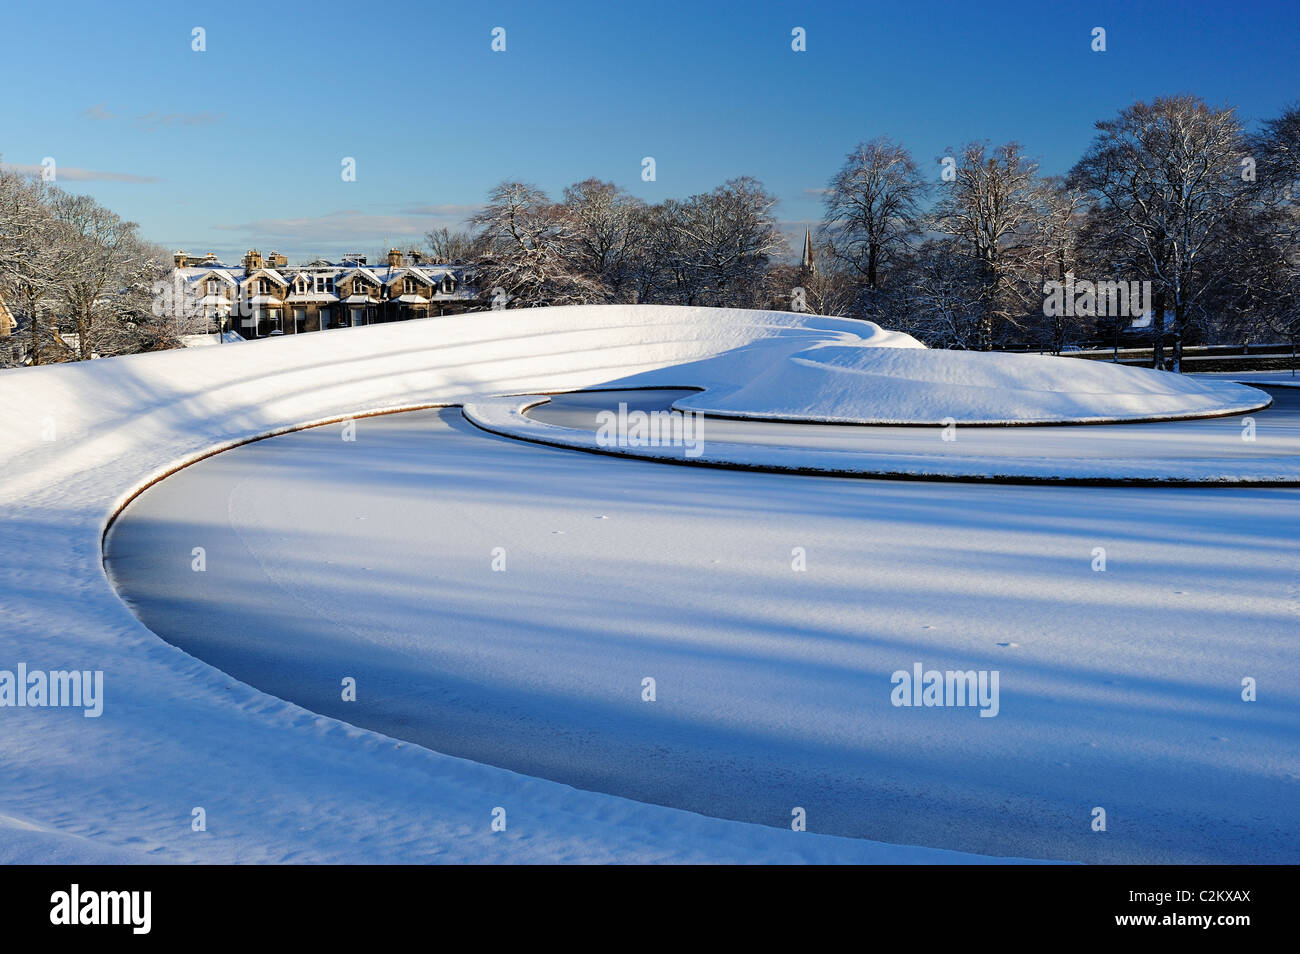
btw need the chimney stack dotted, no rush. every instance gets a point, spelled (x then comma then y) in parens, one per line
(180, 259)
(252, 260)
(394, 258)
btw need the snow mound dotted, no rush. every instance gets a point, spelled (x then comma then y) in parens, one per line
(883, 379)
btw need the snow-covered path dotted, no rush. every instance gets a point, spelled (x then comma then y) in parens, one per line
(1276, 433)
(1121, 689)
(1259, 448)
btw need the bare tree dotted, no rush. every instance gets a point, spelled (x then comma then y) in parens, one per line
(1053, 252)
(33, 255)
(722, 242)
(1167, 178)
(1276, 225)
(527, 242)
(447, 245)
(989, 207)
(105, 259)
(831, 287)
(941, 296)
(872, 207)
(607, 228)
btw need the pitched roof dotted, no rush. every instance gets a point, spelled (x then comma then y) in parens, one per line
(270, 273)
(412, 271)
(203, 273)
(361, 270)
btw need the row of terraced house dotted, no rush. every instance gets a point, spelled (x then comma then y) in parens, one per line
(265, 296)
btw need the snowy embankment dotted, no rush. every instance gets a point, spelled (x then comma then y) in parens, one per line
(1206, 451)
(276, 782)
(908, 384)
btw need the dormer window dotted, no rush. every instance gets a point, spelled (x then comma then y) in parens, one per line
(211, 286)
(448, 285)
(359, 288)
(408, 286)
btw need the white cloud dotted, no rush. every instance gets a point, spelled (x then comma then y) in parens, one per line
(75, 174)
(355, 227)
(98, 111)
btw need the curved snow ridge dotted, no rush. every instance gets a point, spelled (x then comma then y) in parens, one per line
(508, 417)
(279, 783)
(882, 380)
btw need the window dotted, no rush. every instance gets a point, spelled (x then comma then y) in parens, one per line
(358, 316)
(324, 318)
(359, 288)
(212, 286)
(408, 286)
(300, 319)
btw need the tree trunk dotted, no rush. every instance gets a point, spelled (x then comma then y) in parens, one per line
(83, 337)
(36, 331)
(1158, 330)
(1180, 312)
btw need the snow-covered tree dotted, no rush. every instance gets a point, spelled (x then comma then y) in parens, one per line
(873, 208)
(34, 252)
(607, 231)
(720, 243)
(1166, 180)
(105, 259)
(992, 207)
(528, 246)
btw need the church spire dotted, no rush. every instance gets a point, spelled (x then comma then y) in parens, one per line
(808, 265)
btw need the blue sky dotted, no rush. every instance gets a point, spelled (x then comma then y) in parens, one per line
(241, 145)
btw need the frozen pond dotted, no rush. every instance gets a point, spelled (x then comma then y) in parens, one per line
(505, 602)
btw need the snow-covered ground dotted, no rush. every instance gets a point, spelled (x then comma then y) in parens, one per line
(905, 383)
(1260, 448)
(205, 341)
(1118, 689)
(1276, 432)
(279, 782)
